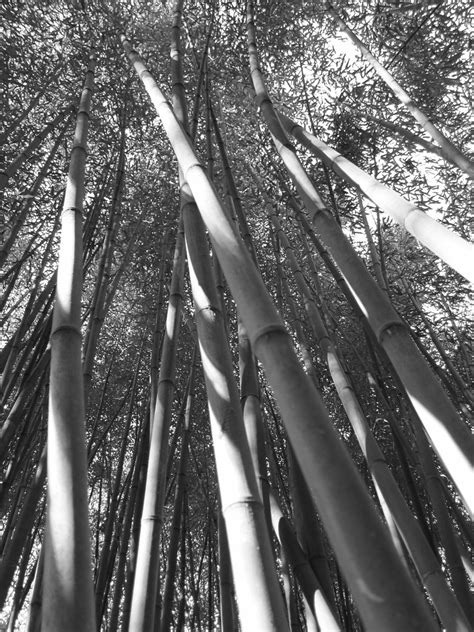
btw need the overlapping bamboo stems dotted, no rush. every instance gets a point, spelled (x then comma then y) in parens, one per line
(17, 538)
(68, 601)
(22, 407)
(449, 151)
(104, 561)
(177, 523)
(24, 353)
(23, 417)
(16, 270)
(126, 527)
(138, 490)
(448, 246)
(249, 387)
(113, 550)
(257, 590)
(250, 399)
(307, 579)
(131, 245)
(424, 464)
(143, 610)
(374, 255)
(143, 606)
(444, 527)
(356, 532)
(449, 435)
(308, 529)
(297, 325)
(427, 566)
(22, 586)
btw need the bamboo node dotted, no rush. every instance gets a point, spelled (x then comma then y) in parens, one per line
(385, 329)
(69, 328)
(276, 327)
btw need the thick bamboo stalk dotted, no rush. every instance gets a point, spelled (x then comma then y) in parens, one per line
(68, 602)
(386, 597)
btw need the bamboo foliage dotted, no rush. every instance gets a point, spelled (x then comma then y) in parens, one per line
(447, 148)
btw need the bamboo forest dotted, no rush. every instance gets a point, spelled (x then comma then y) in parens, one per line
(236, 316)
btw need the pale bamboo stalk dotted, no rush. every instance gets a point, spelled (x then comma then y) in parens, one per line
(388, 594)
(448, 246)
(142, 613)
(157, 339)
(125, 536)
(308, 529)
(450, 437)
(313, 593)
(68, 601)
(177, 524)
(450, 152)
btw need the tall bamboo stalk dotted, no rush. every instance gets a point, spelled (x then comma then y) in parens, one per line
(68, 602)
